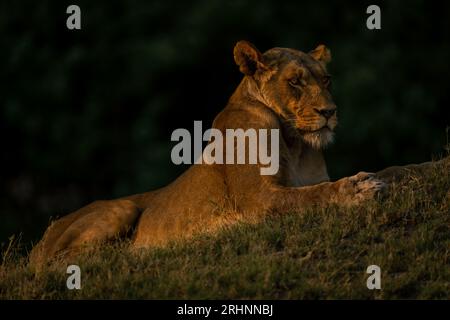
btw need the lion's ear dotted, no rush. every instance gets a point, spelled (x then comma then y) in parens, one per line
(247, 57)
(321, 54)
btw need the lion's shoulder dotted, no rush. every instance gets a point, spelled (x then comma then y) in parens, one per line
(245, 115)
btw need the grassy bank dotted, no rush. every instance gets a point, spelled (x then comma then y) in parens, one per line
(315, 254)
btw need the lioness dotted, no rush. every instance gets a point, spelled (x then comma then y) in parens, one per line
(283, 89)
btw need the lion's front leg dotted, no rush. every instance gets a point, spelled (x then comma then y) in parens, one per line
(357, 189)
(349, 191)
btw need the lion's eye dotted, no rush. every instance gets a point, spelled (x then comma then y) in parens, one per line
(294, 81)
(297, 82)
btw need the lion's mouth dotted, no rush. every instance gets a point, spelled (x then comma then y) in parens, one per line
(323, 129)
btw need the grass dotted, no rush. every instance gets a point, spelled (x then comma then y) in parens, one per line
(317, 254)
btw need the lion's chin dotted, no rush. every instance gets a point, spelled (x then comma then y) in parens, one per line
(319, 139)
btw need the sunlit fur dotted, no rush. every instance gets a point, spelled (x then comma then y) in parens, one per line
(299, 106)
(205, 198)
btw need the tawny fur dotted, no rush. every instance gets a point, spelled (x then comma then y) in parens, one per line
(282, 89)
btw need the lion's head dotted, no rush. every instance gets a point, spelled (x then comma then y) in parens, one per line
(296, 85)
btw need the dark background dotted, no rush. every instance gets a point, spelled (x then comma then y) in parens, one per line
(87, 114)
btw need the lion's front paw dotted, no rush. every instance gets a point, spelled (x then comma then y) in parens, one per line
(359, 188)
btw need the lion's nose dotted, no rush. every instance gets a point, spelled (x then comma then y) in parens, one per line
(327, 113)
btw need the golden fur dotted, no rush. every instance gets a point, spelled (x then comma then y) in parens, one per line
(282, 89)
